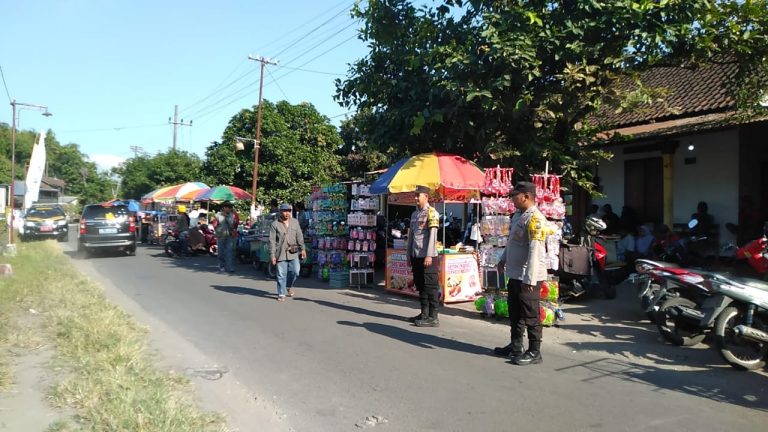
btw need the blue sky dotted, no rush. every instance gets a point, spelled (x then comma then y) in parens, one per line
(111, 71)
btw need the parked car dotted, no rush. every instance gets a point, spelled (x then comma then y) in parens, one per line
(107, 227)
(45, 221)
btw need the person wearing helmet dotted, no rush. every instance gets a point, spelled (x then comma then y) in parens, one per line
(526, 268)
(182, 227)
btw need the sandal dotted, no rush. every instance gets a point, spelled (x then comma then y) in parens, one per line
(290, 292)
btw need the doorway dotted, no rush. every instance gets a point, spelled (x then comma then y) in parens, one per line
(644, 188)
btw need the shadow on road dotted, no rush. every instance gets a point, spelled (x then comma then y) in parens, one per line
(749, 390)
(418, 339)
(244, 291)
(354, 309)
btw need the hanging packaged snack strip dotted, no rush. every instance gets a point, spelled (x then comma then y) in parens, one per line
(329, 231)
(361, 245)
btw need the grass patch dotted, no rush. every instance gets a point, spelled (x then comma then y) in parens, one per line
(112, 383)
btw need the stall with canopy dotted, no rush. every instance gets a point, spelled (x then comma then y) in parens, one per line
(452, 178)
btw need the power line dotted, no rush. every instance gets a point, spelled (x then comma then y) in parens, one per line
(10, 100)
(214, 105)
(219, 88)
(213, 108)
(278, 85)
(303, 37)
(117, 128)
(307, 51)
(310, 71)
(342, 114)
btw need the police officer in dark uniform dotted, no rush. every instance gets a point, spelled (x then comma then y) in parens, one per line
(526, 268)
(422, 257)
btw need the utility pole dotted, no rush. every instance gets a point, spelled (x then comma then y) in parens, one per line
(176, 123)
(138, 149)
(263, 62)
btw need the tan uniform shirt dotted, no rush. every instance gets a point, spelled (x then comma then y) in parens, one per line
(526, 247)
(423, 233)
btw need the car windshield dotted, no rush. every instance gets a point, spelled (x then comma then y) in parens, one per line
(44, 212)
(105, 212)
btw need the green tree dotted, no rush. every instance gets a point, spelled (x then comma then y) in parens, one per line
(357, 156)
(65, 162)
(515, 82)
(142, 174)
(296, 152)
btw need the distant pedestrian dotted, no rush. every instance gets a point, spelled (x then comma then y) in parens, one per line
(422, 257)
(225, 229)
(526, 268)
(286, 246)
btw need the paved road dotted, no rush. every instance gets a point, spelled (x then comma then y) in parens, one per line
(328, 359)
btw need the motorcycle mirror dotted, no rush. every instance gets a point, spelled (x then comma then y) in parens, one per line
(692, 224)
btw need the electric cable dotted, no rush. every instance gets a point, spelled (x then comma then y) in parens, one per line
(10, 100)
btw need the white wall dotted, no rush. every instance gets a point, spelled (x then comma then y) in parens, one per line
(714, 178)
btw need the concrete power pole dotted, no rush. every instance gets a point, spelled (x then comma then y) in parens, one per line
(263, 62)
(176, 123)
(136, 150)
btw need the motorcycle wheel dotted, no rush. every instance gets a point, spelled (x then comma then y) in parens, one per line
(741, 353)
(669, 327)
(172, 248)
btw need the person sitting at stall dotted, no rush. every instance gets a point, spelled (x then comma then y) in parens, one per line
(704, 220)
(611, 220)
(664, 240)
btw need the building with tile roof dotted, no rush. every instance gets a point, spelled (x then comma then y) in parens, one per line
(694, 145)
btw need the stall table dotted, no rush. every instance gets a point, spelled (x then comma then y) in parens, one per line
(458, 276)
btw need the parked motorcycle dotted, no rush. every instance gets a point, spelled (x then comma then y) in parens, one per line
(207, 245)
(582, 264)
(741, 323)
(755, 254)
(652, 288)
(678, 316)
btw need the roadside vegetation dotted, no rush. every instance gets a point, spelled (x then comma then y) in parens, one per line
(103, 372)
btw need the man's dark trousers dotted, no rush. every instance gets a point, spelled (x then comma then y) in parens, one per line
(425, 280)
(524, 313)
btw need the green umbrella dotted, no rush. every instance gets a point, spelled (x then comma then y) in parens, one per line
(222, 193)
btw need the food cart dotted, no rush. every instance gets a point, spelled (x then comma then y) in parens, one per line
(452, 179)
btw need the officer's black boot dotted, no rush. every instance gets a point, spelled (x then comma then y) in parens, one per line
(429, 321)
(514, 349)
(424, 314)
(532, 356)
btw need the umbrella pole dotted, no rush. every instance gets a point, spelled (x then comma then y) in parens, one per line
(445, 220)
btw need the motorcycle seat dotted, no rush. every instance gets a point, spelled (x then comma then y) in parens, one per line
(754, 283)
(659, 264)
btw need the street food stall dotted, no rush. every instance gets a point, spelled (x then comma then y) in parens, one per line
(452, 179)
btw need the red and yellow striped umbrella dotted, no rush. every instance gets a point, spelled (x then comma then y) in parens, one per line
(451, 177)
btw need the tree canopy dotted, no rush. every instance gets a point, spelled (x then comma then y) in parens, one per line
(63, 161)
(515, 82)
(142, 174)
(297, 151)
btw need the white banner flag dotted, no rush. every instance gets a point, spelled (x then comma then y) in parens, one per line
(35, 172)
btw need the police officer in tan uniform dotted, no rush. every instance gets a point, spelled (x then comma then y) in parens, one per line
(422, 257)
(526, 268)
